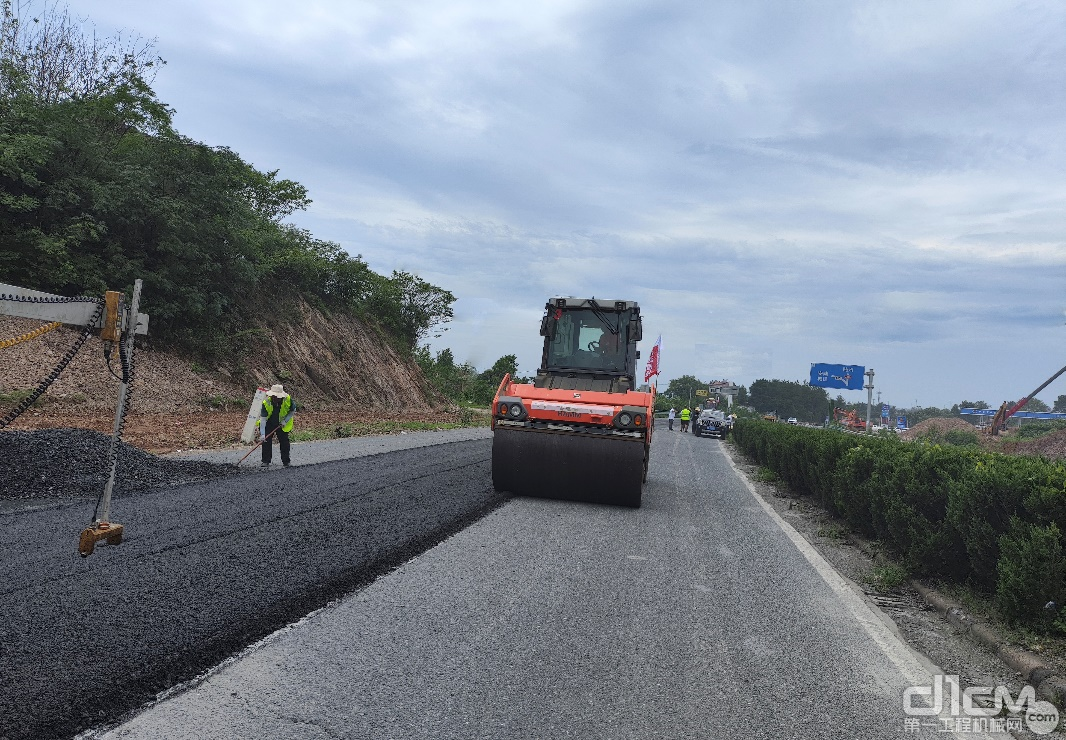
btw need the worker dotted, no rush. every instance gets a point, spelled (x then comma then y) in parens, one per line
(685, 416)
(275, 418)
(670, 416)
(607, 348)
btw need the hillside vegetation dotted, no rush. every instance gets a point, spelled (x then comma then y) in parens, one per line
(97, 189)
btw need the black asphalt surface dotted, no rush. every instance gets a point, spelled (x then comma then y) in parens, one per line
(205, 570)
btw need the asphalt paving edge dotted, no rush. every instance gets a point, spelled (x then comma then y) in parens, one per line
(286, 615)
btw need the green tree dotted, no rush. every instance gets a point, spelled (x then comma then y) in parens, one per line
(683, 390)
(1060, 405)
(484, 387)
(46, 55)
(790, 398)
(1035, 404)
(97, 189)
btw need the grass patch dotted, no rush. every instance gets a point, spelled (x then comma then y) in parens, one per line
(765, 475)
(887, 577)
(18, 396)
(833, 531)
(224, 403)
(1047, 639)
(370, 428)
(1039, 428)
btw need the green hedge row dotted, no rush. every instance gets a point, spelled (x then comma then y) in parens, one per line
(957, 513)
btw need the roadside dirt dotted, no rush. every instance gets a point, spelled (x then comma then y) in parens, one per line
(340, 372)
(936, 425)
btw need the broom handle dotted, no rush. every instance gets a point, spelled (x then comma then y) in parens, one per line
(249, 452)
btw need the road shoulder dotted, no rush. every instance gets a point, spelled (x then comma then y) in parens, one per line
(915, 621)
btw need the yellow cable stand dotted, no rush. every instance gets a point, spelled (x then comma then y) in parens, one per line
(30, 335)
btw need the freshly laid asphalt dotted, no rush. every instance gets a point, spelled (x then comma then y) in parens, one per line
(208, 568)
(700, 615)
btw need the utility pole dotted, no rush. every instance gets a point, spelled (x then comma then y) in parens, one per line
(869, 396)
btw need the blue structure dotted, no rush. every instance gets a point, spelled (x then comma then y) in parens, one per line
(1017, 414)
(849, 377)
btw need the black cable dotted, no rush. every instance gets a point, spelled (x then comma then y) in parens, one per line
(50, 378)
(108, 349)
(57, 299)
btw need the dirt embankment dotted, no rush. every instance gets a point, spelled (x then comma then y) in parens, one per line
(1051, 446)
(936, 425)
(337, 368)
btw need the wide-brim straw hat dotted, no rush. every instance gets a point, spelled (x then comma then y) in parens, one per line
(277, 390)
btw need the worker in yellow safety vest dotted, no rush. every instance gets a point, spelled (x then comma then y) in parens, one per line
(275, 419)
(685, 416)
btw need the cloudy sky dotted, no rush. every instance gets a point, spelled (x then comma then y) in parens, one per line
(776, 183)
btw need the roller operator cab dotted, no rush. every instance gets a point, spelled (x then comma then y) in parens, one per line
(580, 430)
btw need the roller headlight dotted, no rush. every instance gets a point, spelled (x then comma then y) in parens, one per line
(516, 410)
(625, 419)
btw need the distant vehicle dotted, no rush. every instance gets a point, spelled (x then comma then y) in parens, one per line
(712, 423)
(793, 420)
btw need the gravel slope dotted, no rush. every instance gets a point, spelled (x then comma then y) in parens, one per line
(206, 569)
(72, 463)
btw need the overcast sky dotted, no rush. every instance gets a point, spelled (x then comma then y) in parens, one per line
(776, 183)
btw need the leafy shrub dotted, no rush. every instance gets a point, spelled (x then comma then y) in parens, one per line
(947, 510)
(1029, 572)
(961, 438)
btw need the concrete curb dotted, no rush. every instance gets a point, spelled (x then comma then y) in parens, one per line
(1032, 668)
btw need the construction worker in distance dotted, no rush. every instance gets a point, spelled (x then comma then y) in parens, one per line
(275, 419)
(685, 416)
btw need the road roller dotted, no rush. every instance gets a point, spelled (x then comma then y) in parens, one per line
(581, 430)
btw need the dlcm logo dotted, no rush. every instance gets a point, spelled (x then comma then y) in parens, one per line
(1040, 716)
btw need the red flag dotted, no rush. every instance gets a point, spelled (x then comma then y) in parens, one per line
(652, 368)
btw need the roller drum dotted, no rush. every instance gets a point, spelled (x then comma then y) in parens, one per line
(575, 467)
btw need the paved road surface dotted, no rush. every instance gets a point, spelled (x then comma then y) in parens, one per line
(205, 570)
(312, 453)
(698, 616)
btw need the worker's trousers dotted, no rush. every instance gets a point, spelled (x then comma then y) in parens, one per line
(283, 442)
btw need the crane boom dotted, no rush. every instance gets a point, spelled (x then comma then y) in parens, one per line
(1013, 409)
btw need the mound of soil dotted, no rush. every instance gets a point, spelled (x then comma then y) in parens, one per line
(1052, 446)
(339, 370)
(940, 425)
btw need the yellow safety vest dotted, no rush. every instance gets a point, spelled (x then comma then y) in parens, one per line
(286, 408)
